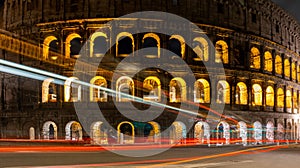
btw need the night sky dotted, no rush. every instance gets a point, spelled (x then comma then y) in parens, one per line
(292, 6)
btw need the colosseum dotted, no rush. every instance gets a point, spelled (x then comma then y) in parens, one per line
(256, 43)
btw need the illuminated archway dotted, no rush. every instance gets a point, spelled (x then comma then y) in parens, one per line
(48, 91)
(268, 61)
(125, 46)
(202, 91)
(280, 98)
(177, 92)
(201, 49)
(223, 92)
(295, 102)
(288, 99)
(241, 96)
(280, 132)
(270, 132)
(152, 40)
(270, 96)
(126, 134)
(294, 71)
(68, 44)
(257, 132)
(202, 132)
(73, 131)
(98, 46)
(287, 68)
(97, 94)
(98, 134)
(49, 130)
(72, 90)
(298, 73)
(278, 64)
(31, 133)
(256, 95)
(182, 44)
(125, 85)
(242, 128)
(47, 45)
(177, 132)
(221, 52)
(152, 89)
(254, 58)
(223, 132)
(155, 134)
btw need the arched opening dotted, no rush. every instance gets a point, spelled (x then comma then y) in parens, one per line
(154, 134)
(124, 44)
(280, 132)
(298, 73)
(223, 133)
(288, 99)
(73, 131)
(294, 71)
(257, 132)
(126, 133)
(49, 91)
(73, 45)
(270, 132)
(256, 95)
(202, 133)
(270, 96)
(151, 40)
(223, 92)
(98, 44)
(96, 93)
(177, 132)
(295, 102)
(287, 68)
(98, 133)
(124, 88)
(72, 90)
(254, 58)
(268, 61)
(152, 89)
(242, 127)
(221, 52)
(200, 47)
(177, 92)
(280, 98)
(49, 130)
(176, 45)
(50, 48)
(31, 133)
(241, 96)
(202, 91)
(278, 65)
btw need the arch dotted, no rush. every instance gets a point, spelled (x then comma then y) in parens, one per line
(257, 132)
(221, 52)
(48, 94)
(68, 43)
(256, 95)
(125, 46)
(288, 99)
(31, 133)
(177, 132)
(125, 86)
(94, 48)
(298, 73)
(241, 96)
(152, 44)
(268, 61)
(96, 93)
(177, 92)
(98, 134)
(295, 102)
(152, 89)
(46, 45)
(202, 132)
(280, 98)
(72, 90)
(223, 132)
(155, 133)
(242, 128)
(270, 132)
(182, 44)
(287, 68)
(223, 92)
(280, 132)
(127, 138)
(254, 58)
(278, 64)
(49, 130)
(270, 96)
(202, 91)
(73, 131)
(201, 49)
(294, 71)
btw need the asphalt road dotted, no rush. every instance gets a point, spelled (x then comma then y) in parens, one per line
(192, 157)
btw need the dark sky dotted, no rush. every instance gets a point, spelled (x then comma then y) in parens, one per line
(292, 6)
